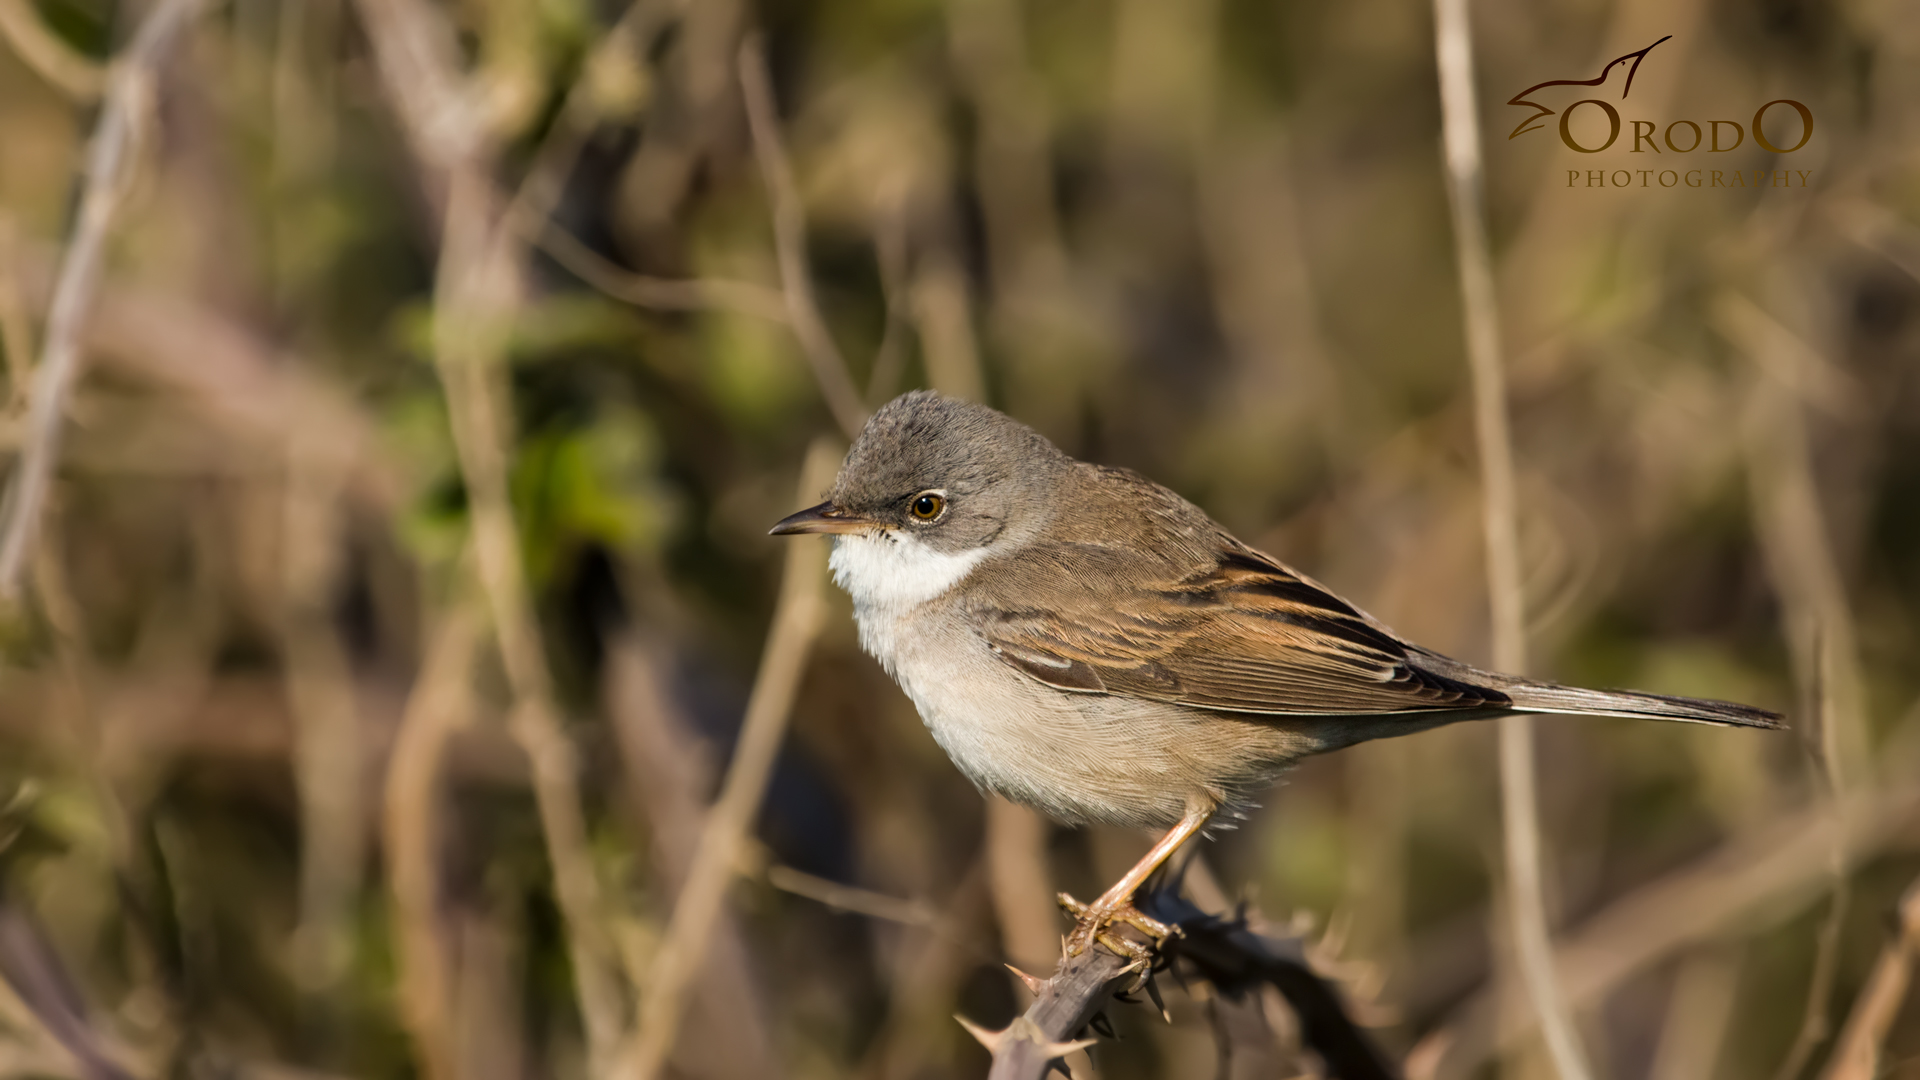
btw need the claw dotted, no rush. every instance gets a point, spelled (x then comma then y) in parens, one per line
(1094, 924)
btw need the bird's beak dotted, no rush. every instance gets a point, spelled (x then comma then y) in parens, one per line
(825, 518)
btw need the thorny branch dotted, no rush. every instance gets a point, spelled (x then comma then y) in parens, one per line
(1226, 952)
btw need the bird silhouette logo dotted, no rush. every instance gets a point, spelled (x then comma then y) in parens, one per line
(1532, 122)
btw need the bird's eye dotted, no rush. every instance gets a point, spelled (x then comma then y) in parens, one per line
(927, 505)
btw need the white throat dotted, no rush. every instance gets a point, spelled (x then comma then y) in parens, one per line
(888, 575)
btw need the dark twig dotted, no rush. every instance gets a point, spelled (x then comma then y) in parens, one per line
(122, 120)
(1236, 960)
(1225, 952)
(1062, 1007)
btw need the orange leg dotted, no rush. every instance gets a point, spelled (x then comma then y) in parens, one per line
(1116, 904)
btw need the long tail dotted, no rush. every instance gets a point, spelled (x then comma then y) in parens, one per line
(1548, 698)
(1542, 697)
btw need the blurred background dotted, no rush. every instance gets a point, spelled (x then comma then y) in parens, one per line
(374, 675)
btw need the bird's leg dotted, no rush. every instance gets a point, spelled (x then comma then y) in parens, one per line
(1116, 904)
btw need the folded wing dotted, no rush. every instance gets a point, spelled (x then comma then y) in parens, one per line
(1243, 634)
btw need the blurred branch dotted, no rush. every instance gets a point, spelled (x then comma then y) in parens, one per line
(1698, 1009)
(440, 702)
(1755, 880)
(1880, 231)
(1791, 524)
(1519, 804)
(1013, 162)
(328, 756)
(30, 965)
(229, 374)
(559, 151)
(890, 254)
(530, 215)
(669, 778)
(16, 334)
(1821, 636)
(74, 75)
(1859, 1056)
(476, 293)
(853, 899)
(416, 56)
(790, 245)
(662, 294)
(122, 127)
(797, 617)
(927, 974)
(941, 310)
(1018, 883)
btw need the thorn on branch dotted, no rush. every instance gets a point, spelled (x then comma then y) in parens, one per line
(1033, 983)
(1224, 951)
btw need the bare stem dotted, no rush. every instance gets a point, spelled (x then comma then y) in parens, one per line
(1019, 884)
(474, 294)
(1791, 525)
(1518, 798)
(1861, 1053)
(51, 58)
(327, 746)
(797, 618)
(121, 129)
(439, 703)
(656, 293)
(477, 291)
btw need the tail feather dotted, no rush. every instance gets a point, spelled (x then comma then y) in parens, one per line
(1541, 697)
(1548, 698)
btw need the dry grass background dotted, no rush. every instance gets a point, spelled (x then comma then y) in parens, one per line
(400, 681)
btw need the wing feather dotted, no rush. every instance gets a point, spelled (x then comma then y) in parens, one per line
(1244, 634)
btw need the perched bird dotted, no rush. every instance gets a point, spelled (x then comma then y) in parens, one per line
(1086, 642)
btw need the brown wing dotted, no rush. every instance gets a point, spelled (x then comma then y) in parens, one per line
(1244, 635)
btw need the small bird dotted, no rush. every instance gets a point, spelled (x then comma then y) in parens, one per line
(1083, 641)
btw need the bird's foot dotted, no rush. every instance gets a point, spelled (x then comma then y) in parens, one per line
(1097, 922)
